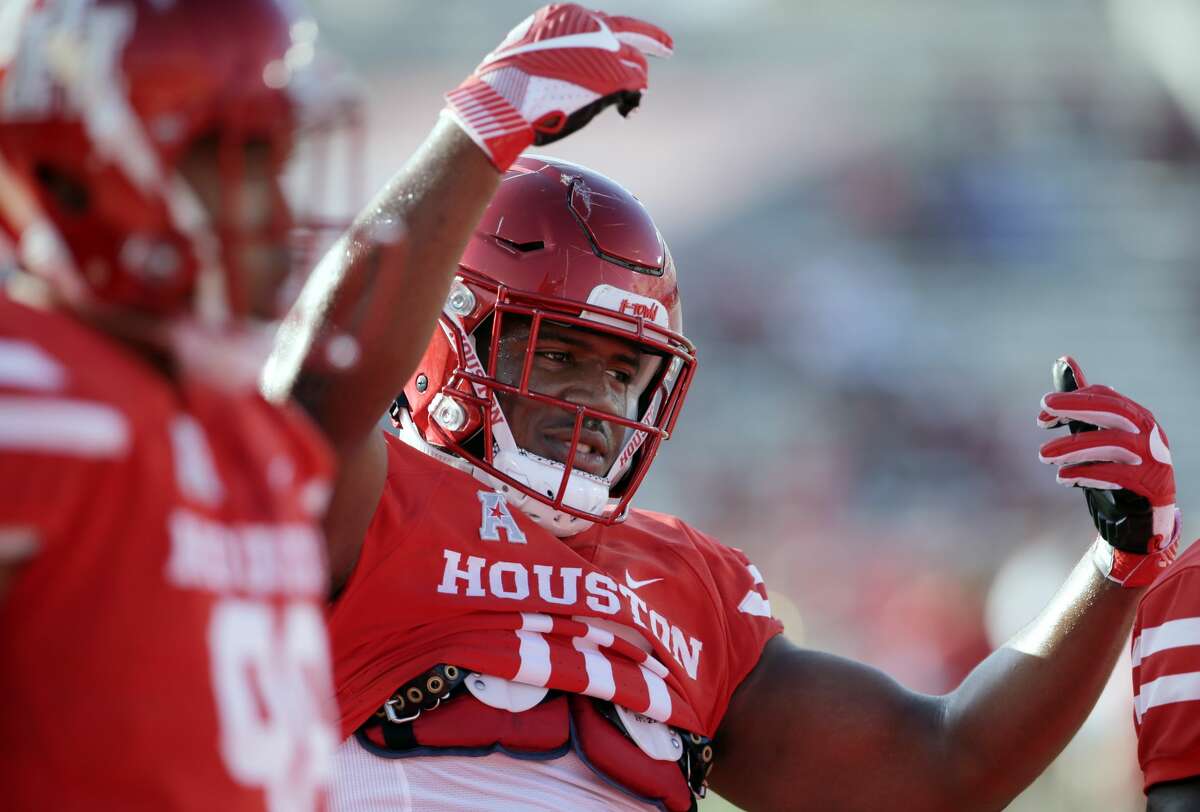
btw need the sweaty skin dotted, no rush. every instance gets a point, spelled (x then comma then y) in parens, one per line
(808, 730)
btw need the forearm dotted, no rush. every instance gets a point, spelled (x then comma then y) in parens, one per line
(366, 314)
(1017, 710)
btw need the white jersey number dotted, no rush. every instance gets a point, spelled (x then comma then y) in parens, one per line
(270, 673)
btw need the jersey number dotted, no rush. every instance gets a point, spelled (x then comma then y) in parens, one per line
(270, 673)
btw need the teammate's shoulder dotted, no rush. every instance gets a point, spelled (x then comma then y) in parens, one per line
(50, 354)
(68, 391)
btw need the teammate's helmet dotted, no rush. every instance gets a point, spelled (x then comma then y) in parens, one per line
(561, 245)
(99, 103)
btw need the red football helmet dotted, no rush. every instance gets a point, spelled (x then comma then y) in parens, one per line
(99, 103)
(565, 246)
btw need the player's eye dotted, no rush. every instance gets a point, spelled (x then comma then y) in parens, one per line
(556, 356)
(621, 376)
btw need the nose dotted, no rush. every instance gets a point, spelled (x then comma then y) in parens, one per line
(591, 386)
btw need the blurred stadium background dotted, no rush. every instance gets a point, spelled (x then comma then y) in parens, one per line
(889, 218)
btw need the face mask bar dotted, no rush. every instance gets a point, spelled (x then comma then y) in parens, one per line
(476, 385)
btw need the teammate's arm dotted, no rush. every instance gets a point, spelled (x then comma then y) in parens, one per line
(812, 730)
(1174, 796)
(363, 319)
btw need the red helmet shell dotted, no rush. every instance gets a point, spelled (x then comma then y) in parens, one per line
(592, 232)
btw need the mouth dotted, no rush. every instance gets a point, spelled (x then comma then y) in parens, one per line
(591, 452)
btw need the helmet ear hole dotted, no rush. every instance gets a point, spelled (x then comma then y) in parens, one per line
(67, 192)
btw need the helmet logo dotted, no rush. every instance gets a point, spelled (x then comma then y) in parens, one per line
(629, 303)
(649, 312)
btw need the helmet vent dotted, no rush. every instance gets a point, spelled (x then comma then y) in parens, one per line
(522, 247)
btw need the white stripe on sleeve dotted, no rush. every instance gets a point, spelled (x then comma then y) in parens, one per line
(17, 544)
(1166, 691)
(73, 427)
(1172, 634)
(28, 366)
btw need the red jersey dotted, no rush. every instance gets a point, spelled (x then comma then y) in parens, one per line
(649, 613)
(1166, 673)
(162, 642)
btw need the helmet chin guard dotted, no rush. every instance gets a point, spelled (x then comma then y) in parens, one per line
(584, 492)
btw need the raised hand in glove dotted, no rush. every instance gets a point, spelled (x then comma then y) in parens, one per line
(551, 75)
(1119, 455)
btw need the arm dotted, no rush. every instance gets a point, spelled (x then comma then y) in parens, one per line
(807, 728)
(366, 313)
(378, 292)
(365, 316)
(812, 730)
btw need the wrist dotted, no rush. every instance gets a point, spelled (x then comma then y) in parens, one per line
(1133, 569)
(490, 121)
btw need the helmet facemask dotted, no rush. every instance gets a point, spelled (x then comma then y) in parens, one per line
(575, 452)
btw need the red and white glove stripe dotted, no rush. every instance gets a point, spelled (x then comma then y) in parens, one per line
(557, 61)
(1128, 451)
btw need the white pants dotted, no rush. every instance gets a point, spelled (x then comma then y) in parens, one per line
(363, 781)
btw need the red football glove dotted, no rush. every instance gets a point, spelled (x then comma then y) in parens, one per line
(1119, 455)
(553, 72)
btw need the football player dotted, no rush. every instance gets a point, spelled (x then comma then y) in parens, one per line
(512, 634)
(161, 564)
(161, 570)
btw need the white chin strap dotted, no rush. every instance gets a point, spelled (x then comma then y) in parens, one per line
(585, 492)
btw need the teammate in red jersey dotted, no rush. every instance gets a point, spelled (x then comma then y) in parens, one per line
(161, 566)
(513, 634)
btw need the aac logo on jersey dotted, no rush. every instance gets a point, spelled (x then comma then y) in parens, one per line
(497, 517)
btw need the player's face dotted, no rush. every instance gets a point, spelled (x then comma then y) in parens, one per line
(596, 370)
(247, 208)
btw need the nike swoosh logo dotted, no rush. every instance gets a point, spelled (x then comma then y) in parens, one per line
(604, 39)
(633, 583)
